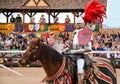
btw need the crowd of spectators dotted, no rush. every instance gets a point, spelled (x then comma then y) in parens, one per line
(20, 41)
(105, 41)
(12, 41)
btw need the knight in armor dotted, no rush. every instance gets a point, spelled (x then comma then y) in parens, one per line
(81, 43)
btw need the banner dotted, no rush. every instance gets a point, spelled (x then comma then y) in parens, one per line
(18, 27)
(29, 28)
(62, 27)
(54, 27)
(3, 27)
(10, 27)
(43, 27)
(36, 27)
(69, 28)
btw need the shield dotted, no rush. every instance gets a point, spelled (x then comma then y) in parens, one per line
(84, 36)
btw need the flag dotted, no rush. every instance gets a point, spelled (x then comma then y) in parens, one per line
(36, 27)
(54, 27)
(18, 27)
(69, 28)
(62, 27)
(43, 27)
(29, 27)
(10, 27)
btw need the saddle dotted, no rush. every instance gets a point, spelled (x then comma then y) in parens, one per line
(87, 65)
(79, 55)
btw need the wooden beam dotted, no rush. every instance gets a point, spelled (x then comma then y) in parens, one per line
(23, 12)
(54, 14)
(7, 14)
(49, 17)
(30, 14)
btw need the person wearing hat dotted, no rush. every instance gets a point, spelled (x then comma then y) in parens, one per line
(38, 37)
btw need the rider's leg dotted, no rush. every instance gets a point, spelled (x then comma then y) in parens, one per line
(80, 69)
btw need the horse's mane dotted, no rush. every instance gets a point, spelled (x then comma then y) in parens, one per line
(50, 53)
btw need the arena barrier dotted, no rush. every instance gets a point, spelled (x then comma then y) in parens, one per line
(115, 60)
(12, 51)
(105, 52)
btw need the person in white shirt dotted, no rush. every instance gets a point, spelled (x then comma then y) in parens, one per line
(77, 47)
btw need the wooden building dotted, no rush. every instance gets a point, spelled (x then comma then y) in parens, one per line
(51, 7)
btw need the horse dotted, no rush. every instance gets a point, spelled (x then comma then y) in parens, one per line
(60, 70)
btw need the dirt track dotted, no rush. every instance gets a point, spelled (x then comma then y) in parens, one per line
(30, 76)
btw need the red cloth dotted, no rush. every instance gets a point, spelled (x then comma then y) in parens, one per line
(45, 35)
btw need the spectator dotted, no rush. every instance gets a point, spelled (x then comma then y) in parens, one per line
(95, 45)
(101, 48)
(12, 19)
(42, 19)
(99, 37)
(23, 46)
(51, 40)
(0, 37)
(19, 38)
(46, 35)
(115, 48)
(60, 37)
(118, 34)
(67, 19)
(31, 35)
(65, 37)
(18, 19)
(66, 45)
(7, 44)
(113, 35)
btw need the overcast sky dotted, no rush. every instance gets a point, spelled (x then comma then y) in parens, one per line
(113, 14)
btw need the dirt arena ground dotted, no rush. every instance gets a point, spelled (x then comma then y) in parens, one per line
(30, 76)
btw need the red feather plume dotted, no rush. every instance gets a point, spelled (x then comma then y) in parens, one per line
(94, 11)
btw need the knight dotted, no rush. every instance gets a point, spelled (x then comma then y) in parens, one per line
(82, 39)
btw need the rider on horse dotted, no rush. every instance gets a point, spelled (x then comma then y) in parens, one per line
(82, 43)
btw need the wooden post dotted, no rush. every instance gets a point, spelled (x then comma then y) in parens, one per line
(23, 13)
(30, 14)
(7, 14)
(74, 16)
(54, 14)
(49, 17)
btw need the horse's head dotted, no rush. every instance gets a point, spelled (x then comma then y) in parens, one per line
(51, 60)
(31, 53)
